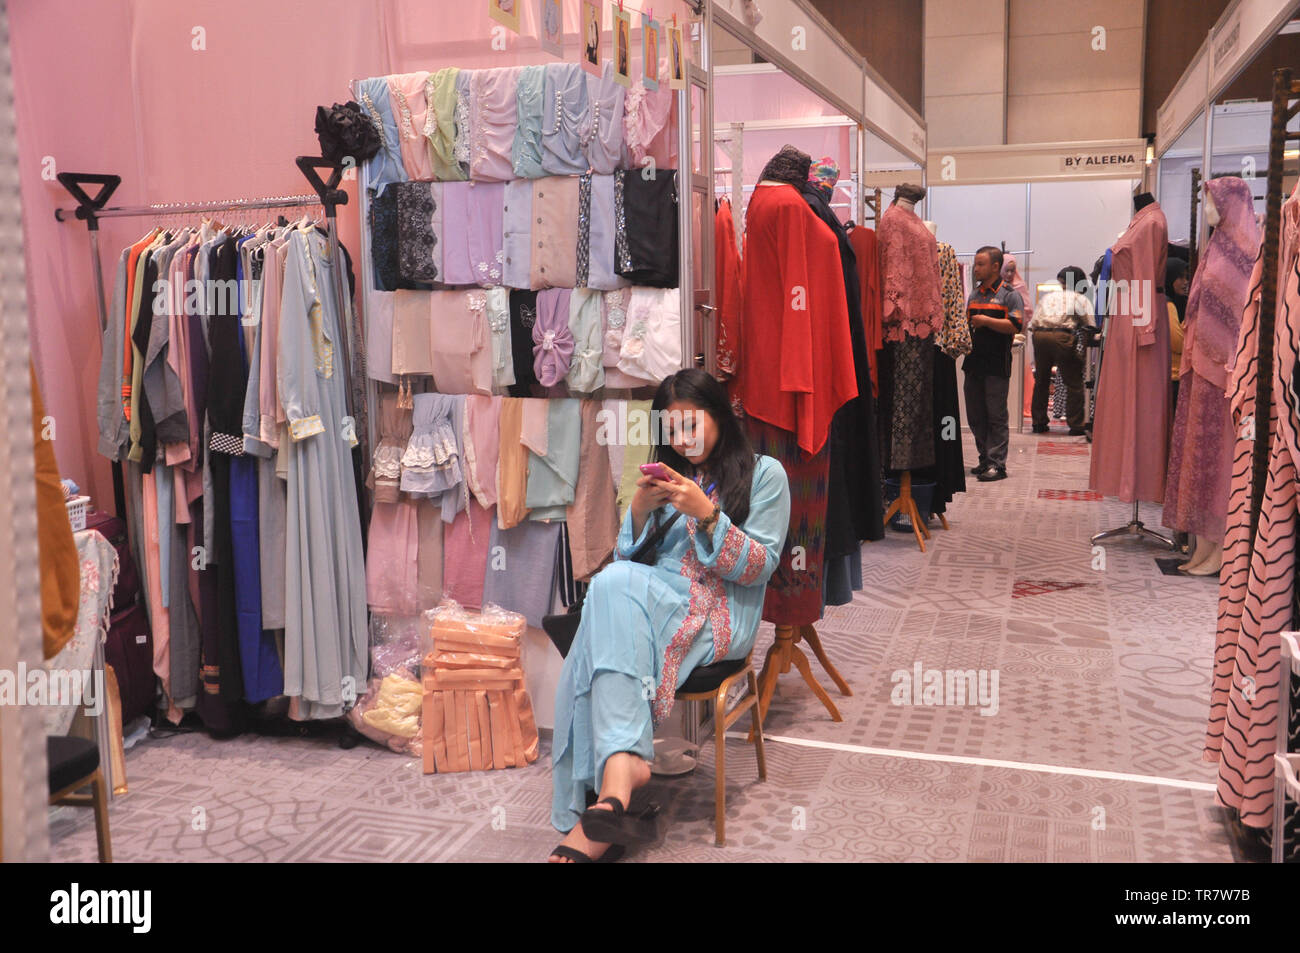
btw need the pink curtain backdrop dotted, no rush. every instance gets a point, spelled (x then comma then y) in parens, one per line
(119, 86)
(748, 97)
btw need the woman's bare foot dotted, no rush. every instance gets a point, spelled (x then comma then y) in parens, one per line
(624, 773)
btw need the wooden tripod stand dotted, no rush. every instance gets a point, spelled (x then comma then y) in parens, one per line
(907, 506)
(785, 652)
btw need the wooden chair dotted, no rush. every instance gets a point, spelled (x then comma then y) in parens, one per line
(711, 683)
(74, 764)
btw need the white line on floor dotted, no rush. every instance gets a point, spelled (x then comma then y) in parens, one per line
(985, 762)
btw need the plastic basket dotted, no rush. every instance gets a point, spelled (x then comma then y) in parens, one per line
(77, 507)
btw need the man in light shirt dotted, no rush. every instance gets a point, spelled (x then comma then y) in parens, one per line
(1058, 316)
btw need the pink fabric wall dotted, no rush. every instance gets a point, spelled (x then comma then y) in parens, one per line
(116, 86)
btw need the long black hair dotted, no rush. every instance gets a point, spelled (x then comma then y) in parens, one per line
(731, 464)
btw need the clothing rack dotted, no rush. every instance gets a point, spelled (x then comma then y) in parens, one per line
(1191, 240)
(90, 209)
(1284, 88)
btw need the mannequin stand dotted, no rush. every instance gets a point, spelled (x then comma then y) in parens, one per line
(1135, 527)
(906, 505)
(785, 652)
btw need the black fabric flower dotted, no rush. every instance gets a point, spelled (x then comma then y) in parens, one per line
(344, 130)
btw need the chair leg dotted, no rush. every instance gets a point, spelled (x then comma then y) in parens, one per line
(720, 768)
(757, 729)
(99, 797)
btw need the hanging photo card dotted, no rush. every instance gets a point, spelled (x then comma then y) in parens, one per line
(590, 36)
(550, 20)
(649, 52)
(676, 59)
(505, 12)
(622, 46)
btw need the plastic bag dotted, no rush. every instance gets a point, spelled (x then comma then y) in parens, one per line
(476, 712)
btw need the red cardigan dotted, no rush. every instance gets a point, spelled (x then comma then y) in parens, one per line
(797, 359)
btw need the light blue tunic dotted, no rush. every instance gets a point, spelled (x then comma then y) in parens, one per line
(326, 641)
(385, 165)
(646, 628)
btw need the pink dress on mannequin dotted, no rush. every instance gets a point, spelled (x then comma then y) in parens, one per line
(1200, 454)
(1130, 441)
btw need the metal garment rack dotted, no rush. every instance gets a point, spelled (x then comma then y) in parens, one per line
(1191, 241)
(1284, 89)
(90, 209)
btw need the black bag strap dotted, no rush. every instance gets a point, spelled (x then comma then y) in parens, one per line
(654, 539)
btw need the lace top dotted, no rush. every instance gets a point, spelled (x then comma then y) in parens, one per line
(410, 110)
(526, 150)
(442, 99)
(645, 121)
(565, 109)
(384, 166)
(394, 434)
(419, 230)
(909, 264)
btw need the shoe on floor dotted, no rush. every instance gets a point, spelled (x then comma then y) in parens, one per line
(978, 469)
(1042, 429)
(1078, 433)
(991, 474)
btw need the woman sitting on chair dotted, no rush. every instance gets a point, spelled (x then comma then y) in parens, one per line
(646, 627)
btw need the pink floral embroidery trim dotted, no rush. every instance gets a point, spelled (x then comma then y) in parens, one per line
(755, 563)
(733, 543)
(708, 601)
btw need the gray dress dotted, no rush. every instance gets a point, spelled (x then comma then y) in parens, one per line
(325, 641)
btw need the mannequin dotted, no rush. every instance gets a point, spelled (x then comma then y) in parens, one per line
(1207, 554)
(1131, 433)
(912, 316)
(1203, 442)
(853, 500)
(796, 367)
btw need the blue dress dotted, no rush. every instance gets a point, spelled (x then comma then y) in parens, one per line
(646, 628)
(386, 164)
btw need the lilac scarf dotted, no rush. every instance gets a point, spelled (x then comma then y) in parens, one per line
(552, 339)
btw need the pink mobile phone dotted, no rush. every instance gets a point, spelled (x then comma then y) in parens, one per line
(655, 470)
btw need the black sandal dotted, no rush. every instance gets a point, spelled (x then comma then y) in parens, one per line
(618, 825)
(612, 853)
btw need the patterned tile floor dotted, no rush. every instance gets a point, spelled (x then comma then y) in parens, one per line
(1093, 754)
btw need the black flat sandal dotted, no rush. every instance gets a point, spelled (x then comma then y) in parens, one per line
(612, 853)
(618, 825)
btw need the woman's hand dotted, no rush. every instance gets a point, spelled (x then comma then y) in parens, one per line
(650, 495)
(685, 495)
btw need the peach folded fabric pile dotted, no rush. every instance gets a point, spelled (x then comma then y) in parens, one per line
(477, 713)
